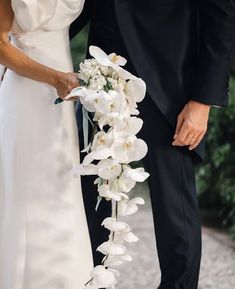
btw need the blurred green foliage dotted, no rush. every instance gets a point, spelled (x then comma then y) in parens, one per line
(79, 47)
(216, 177)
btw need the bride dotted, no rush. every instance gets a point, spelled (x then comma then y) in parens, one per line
(44, 240)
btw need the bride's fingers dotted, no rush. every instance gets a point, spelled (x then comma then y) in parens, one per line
(62, 93)
(66, 82)
(75, 98)
(72, 99)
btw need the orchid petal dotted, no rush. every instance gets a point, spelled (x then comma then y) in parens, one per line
(111, 248)
(129, 149)
(109, 169)
(82, 170)
(115, 226)
(117, 59)
(138, 175)
(113, 261)
(103, 277)
(128, 237)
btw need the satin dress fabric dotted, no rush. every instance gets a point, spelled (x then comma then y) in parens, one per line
(44, 238)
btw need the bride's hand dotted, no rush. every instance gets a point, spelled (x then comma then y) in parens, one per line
(64, 83)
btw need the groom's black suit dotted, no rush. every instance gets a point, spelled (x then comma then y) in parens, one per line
(181, 48)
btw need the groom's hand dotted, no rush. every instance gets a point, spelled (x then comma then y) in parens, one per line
(191, 125)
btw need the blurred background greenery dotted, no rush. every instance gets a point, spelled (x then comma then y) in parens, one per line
(79, 47)
(216, 176)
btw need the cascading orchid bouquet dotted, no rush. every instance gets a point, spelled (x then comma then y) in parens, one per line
(111, 94)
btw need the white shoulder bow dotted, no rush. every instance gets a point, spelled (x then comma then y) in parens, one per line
(32, 14)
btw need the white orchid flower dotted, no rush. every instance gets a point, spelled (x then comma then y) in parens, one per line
(129, 149)
(94, 96)
(127, 126)
(103, 59)
(102, 139)
(103, 152)
(129, 177)
(106, 103)
(111, 248)
(135, 91)
(128, 237)
(103, 277)
(115, 186)
(138, 174)
(129, 207)
(105, 192)
(109, 104)
(109, 169)
(81, 170)
(118, 106)
(126, 184)
(115, 107)
(113, 261)
(85, 96)
(115, 226)
(136, 88)
(103, 120)
(110, 194)
(100, 148)
(101, 56)
(117, 59)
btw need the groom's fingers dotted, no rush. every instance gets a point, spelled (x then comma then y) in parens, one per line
(180, 121)
(191, 138)
(197, 141)
(182, 135)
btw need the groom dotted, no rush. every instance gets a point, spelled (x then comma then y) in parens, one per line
(181, 48)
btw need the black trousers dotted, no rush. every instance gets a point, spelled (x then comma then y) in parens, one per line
(174, 202)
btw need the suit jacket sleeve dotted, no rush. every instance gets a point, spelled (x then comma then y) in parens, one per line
(83, 19)
(216, 26)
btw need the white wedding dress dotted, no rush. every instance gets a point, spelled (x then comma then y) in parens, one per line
(44, 240)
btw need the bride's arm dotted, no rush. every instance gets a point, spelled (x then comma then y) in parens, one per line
(16, 60)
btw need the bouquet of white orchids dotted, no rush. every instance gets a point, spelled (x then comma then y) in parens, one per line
(111, 94)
